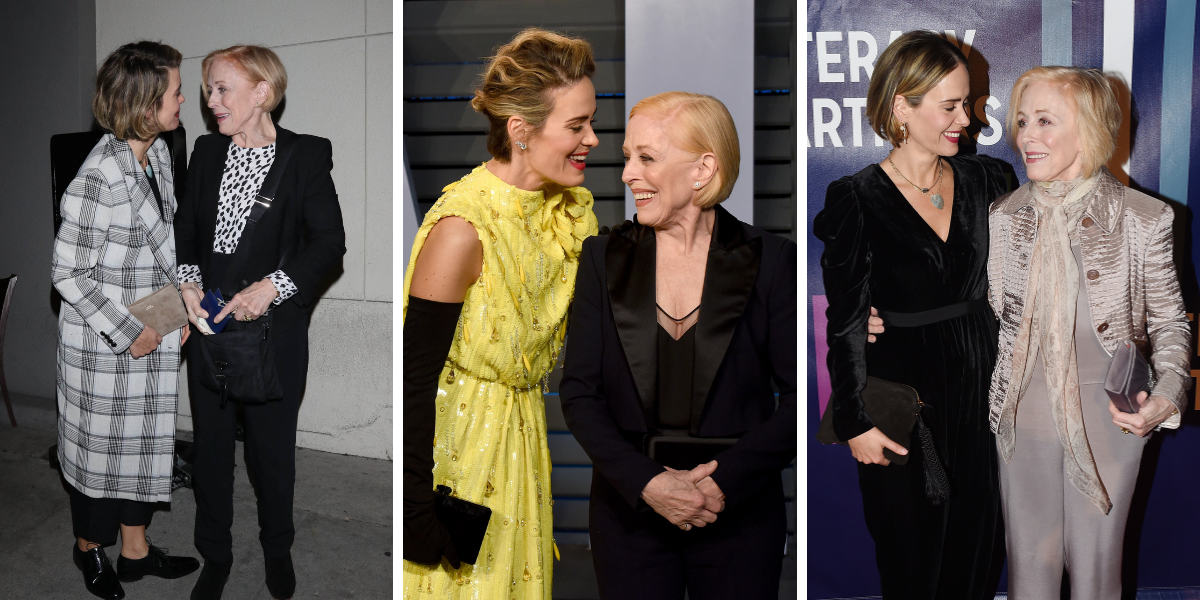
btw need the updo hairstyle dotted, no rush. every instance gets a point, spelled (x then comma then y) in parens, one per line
(130, 86)
(698, 123)
(910, 66)
(520, 80)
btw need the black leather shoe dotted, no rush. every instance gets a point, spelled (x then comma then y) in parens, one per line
(98, 573)
(211, 581)
(157, 564)
(281, 577)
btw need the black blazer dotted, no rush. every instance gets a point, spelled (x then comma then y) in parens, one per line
(746, 338)
(304, 222)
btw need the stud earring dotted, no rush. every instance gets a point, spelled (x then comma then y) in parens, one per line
(697, 185)
(522, 145)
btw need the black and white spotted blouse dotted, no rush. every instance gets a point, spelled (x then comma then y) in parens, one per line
(245, 169)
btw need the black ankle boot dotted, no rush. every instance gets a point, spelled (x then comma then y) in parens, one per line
(281, 577)
(98, 574)
(211, 581)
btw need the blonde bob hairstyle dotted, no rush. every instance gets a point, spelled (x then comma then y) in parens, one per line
(130, 86)
(698, 123)
(257, 63)
(521, 79)
(910, 66)
(1097, 113)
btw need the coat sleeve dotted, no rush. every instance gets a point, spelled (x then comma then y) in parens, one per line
(1166, 321)
(87, 208)
(765, 450)
(584, 403)
(326, 237)
(846, 271)
(186, 252)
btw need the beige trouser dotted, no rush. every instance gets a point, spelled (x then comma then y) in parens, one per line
(1048, 523)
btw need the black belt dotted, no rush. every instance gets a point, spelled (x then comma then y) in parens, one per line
(933, 315)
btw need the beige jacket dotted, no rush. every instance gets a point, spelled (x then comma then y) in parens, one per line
(1126, 242)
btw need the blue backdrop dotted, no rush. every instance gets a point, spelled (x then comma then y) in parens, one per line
(1002, 40)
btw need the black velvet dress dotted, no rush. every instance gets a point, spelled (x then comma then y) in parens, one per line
(880, 252)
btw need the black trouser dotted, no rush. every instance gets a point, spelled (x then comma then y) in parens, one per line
(642, 555)
(270, 452)
(99, 519)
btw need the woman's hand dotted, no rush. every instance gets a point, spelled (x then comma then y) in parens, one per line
(191, 300)
(1154, 410)
(867, 448)
(674, 495)
(146, 342)
(874, 325)
(250, 303)
(185, 331)
(706, 485)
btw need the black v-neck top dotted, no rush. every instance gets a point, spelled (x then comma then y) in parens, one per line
(879, 252)
(676, 367)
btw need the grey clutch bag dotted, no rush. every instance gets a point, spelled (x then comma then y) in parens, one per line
(1128, 374)
(163, 310)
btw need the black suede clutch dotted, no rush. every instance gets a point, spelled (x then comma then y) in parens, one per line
(895, 408)
(467, 522)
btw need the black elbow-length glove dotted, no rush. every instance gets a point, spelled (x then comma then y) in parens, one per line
(428, 333)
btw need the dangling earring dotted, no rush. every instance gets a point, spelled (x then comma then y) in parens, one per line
(522, 145)
(904, 132)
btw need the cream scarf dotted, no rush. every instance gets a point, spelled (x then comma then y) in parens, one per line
(1048, 326)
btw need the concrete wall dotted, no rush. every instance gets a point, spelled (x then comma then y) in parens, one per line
(338, 54)
(50, 66)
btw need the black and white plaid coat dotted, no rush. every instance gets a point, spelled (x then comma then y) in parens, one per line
(116, 415)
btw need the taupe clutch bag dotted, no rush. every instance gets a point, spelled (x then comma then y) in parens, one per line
(1128, 374)
(163, 310)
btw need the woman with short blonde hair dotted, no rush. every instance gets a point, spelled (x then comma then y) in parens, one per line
(267, 267)
(1079, 266)
(684, 319)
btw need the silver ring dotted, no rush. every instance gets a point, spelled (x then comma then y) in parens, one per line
(686, 526)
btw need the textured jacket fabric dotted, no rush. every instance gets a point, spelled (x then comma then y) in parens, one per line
(116, 426)
(1132, 287)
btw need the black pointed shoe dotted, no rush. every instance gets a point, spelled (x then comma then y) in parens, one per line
(98, 573)
(156, 563)
(281, 577)
(211, 582)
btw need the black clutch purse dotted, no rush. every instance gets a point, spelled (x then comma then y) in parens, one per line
(1128, 374)
(895, 409)
(467, 522)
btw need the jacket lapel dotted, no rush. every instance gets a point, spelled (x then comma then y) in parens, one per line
(145, 206)
(629, 269)
(733, 264)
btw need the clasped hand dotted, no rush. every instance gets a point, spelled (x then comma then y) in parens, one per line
(686, 498)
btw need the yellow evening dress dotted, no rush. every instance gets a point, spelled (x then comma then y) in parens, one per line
(490, 433)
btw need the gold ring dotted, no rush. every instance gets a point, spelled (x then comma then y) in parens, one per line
(246, 317)
(1123, 430)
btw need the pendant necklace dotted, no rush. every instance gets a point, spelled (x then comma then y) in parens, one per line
(936, 198)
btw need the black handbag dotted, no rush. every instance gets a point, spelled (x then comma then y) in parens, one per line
(239, 363)
(466, 521)
(895, 409)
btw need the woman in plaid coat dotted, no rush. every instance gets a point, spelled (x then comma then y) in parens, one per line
(117, 379)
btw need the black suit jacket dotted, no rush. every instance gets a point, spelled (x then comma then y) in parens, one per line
(304, 222)
(746, 338)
